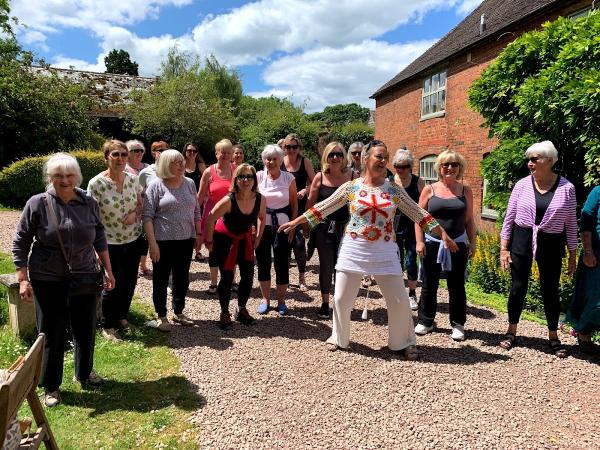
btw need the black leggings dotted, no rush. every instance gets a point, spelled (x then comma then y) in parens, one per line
(549, 266)
(280, 257)
(298, 245)
(327, 247)
(175, 259)
(221, 247)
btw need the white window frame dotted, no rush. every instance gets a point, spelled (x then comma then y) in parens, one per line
(486, 212)
(427, 169)
(581, 13)
(433, 93)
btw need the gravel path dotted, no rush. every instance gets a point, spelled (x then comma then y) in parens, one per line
(273, 385)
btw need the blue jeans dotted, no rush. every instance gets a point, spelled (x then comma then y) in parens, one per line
(407, 243)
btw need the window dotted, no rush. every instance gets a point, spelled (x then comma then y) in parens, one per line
(581, 13)
(433, 102)
(427, 169)
(486, 210)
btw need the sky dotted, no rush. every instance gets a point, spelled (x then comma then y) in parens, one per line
(314, 52)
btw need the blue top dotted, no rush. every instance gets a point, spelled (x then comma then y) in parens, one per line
(590, 217)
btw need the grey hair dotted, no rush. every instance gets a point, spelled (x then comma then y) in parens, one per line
(134, 143)
(166, 158)
(61, 162)
(545, 149)
(270, 150)
(356, 146)
(403, 154)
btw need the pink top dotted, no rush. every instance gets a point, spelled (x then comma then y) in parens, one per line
(217, 189)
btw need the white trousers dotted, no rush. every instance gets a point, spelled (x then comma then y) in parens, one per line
(401, 330)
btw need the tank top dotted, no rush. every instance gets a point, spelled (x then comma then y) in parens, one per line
(402, 223)
(195, 176)
(449, 212)
(236, 221)
(218, 187)
(342, 215)
(301, 177)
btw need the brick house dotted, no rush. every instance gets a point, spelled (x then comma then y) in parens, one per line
(425, 108)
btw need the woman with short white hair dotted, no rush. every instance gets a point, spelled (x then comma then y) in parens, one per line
(540, 219)
(172, 223)
(279, 189)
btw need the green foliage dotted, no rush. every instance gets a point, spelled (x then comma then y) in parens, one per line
(23, 178)
(5, 19)
(337, 115)
(119, 61)
(351, 132)
(544, 86)
(265, 120)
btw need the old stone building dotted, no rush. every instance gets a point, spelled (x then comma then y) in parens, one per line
(425, 108)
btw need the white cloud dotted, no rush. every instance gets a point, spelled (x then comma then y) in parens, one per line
(326, 76)
(467, 6)
(64, 62)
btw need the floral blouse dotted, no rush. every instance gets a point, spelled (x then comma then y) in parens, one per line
(372, 209)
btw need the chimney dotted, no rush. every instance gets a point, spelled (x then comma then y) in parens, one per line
(482, 25)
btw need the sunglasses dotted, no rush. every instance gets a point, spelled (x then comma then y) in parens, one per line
(402, 166)
(245, 177)
(334, 154)
(137, 150)
(533, 159)
(450, 164)
(191, 150)
(160, 150)
(375, 143)
(355, 153)
(291, 147)
(121, 154)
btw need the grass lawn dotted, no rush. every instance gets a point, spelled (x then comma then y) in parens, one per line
(145, 403)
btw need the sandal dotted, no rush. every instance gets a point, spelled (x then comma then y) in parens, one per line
(411, 353)
(587, 347)
(509, 341)
(212, 289)
(557, 348)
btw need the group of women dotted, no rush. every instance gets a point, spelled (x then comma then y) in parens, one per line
(360, 219)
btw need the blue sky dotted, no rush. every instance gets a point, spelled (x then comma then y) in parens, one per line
(315, 52)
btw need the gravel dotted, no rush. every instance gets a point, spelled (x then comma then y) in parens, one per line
(274, 385)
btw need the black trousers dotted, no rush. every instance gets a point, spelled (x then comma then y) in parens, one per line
(549, 265)
(54, 310)
(175, 258)
(298, 245)
(221, 247)
(280, 257)
(327, 248)
(456, 285)
(124, 259)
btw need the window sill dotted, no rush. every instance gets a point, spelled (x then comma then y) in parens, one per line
(433, 115)
(489, 215)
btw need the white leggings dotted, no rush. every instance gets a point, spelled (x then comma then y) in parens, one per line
(401, 331)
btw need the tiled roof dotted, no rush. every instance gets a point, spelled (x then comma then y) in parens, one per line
(499, 15)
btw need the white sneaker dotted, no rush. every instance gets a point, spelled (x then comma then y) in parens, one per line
(422, 330)
(169, 290)
(110, 334)
(413, 303)
(458, 333)
(182, 319)
(163, 324)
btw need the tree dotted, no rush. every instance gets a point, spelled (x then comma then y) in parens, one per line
(341, 114)
(119, 61)
(543, 86)
(5, 19)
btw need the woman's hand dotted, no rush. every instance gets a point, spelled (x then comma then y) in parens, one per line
(130, 218)
(208, 243)
(25, 291)
(421, 249)
(301, 194)
(198, 243)
(571, 264)
(306, 231)
(154, 252)
(449, 243)
(287, 228)
(589, 259)
(472, 250)
(109, 280)
(505, 259)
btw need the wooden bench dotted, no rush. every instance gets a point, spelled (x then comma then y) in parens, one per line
(23, 379)
(22, 315)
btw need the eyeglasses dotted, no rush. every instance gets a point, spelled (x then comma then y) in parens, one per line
(245, 177)
(117, 154)
(450, 164)
(334, 154)
(191, 150)
(355, 153)
(137, 150)
(402, 166)
(534, 159)
(291, 147)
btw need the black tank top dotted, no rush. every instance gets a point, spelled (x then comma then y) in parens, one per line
(195, 176)
(236, 221)
(342, 215)
(450, 213)
(301, 177)
(402, 223)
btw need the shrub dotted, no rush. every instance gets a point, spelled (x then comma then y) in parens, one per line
(351, 132)
(23, 178)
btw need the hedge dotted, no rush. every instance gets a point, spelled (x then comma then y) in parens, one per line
(23, 178)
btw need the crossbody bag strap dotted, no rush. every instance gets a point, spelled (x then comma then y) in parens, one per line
(55, 220)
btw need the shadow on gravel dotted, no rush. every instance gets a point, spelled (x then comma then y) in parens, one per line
(464, 355)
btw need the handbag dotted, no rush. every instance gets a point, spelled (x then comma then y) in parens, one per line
(80, 282)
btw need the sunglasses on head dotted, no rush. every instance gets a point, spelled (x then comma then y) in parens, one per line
(334, 154)
(450, 164)
(245, 177)
(117, 154)
(375, 143)
(137, 150)
(533, 159)
(402, 166)
(291, 147)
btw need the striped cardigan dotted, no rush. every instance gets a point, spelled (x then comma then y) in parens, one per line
(560, 215)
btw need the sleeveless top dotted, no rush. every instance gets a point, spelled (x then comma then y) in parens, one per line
(342, 215)
(195, 176)
(236, 221)
(301, 177)
(449, 212)
(403, 224)
(218, 187)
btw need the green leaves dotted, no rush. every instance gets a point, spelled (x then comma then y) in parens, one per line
(119, 61)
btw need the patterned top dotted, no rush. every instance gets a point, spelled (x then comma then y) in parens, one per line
(371, 209)
(115, 205)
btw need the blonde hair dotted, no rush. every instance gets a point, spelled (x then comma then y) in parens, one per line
(166, 158)
(223, 144)
(450, 156)
(327, 150)
(293, 137)
(64, 163)
(244, 167)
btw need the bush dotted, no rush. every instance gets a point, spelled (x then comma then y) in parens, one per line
(23, 178)
(351, 132)
(485, 271)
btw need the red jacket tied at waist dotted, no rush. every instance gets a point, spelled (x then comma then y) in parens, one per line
(235, 244)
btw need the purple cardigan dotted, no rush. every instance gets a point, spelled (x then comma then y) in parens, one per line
(560, 215)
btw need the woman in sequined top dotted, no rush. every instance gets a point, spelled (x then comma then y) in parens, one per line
(368, 247)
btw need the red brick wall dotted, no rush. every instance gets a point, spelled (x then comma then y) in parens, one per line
(398, 113)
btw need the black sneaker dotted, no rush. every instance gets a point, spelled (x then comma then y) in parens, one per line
(225, 321)
(94, 381)
(244, 317)
(324, 311)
